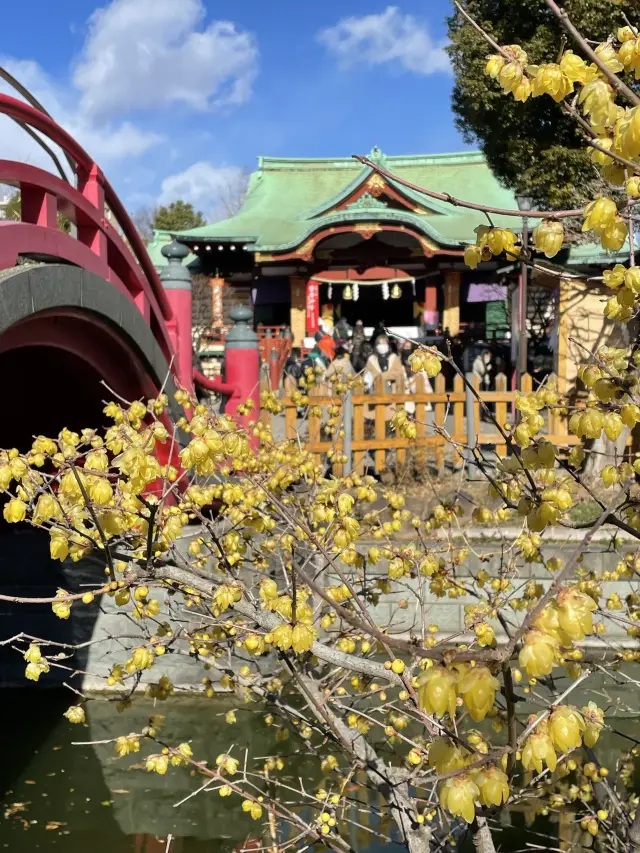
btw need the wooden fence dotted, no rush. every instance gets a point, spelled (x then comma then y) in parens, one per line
(371, 442)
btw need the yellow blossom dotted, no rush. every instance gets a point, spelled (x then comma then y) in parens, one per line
(437, 693)
(493, 784)
(538, 653)
(548, 237)
(538, 749)
(565, 728)
(75, 714)
(15, 511)
(458, 795)
(478, 689)
(62, 608)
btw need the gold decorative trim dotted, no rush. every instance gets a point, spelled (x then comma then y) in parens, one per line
(428, 245)
(306, 250)
(262, 257)
(367, 229)
(376, 185)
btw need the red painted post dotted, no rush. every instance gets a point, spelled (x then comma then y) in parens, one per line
(241, 379)
(91, 185)
(176, 280)
(38, 206)
(242, 366)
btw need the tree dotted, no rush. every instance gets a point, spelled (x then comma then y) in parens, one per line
(177, 216)
(288, 587)
(143, 219)
(533, 147)
(232, 193)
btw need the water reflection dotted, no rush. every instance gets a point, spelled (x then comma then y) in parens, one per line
(82, 798)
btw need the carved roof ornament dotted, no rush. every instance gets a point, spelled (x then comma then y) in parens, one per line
(377, 156)
(376, 184)
(367, 201)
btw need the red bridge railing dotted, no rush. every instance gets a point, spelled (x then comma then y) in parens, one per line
(98, 246)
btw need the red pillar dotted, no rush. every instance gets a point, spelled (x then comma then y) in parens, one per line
(176, 280)
(312, 307)
(431, 316)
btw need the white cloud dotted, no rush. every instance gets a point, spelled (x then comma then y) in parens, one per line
(106, 142)
(215, 190)
(386, 37)
(137, 55)
(143, 54)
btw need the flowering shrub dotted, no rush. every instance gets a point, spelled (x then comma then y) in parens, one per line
(288, 566)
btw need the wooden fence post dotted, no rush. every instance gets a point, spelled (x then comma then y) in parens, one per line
(347, 425)
(439, 418)
(380, 426)
(290, 409)
(501, 413)
(401, 455)
(315, 424)
(458, 418)
(358, 435)
(421, 422)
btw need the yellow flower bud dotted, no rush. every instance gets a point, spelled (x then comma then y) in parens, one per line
(62, 609)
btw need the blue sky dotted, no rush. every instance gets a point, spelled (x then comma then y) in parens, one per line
(175, 97)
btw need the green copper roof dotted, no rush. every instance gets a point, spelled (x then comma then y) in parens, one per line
(289, 199)
(586, 254)
(154, 248)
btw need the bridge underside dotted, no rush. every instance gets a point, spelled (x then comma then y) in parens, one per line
(64, 333)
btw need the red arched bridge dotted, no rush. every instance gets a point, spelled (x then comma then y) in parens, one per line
(77, 306)
(82, 304)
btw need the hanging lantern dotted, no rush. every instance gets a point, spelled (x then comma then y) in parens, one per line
(396, 293)
(329, 292)
(385, 289)
(347, 293)
(356, 292)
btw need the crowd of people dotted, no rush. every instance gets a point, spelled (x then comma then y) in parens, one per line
(348, 350)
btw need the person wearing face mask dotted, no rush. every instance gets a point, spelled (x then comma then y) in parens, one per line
(386, 364)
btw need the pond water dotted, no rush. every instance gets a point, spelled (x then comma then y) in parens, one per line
(82, 799)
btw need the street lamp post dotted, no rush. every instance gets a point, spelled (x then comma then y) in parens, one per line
(525, 204)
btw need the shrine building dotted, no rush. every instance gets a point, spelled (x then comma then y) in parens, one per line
(331, 238)
(317, 240)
